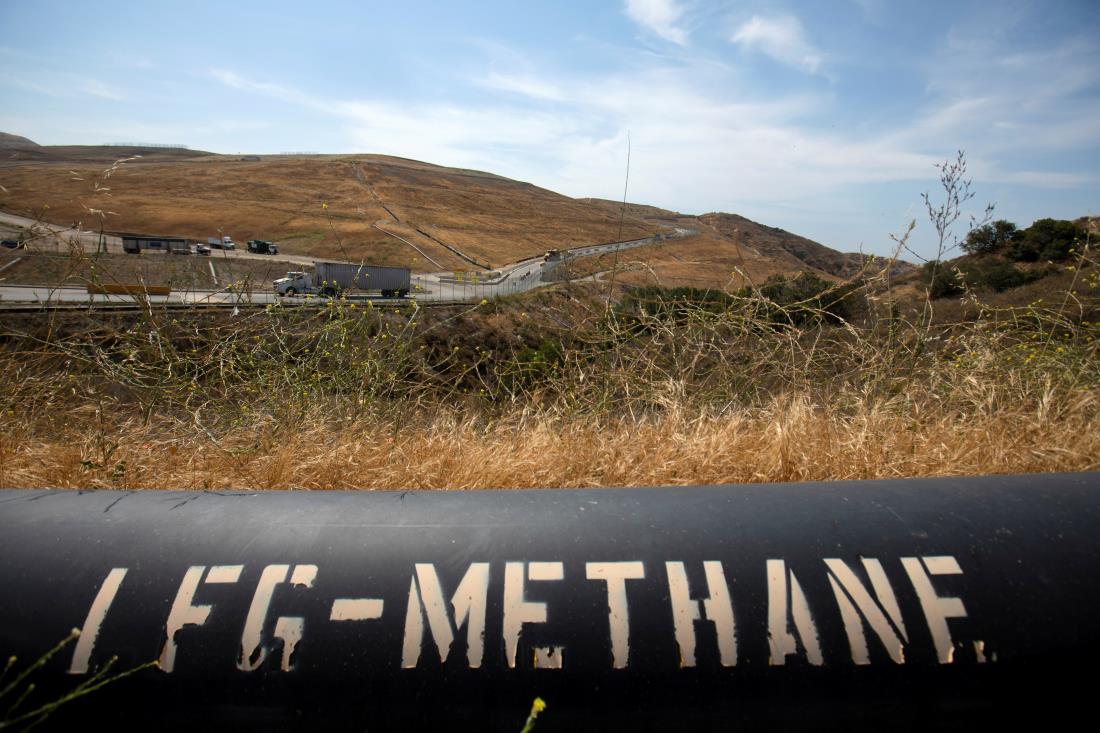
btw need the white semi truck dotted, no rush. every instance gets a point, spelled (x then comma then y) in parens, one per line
(221, 243)
(332, 278)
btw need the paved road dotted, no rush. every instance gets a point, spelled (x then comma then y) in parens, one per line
(68, 295)
(21, 295)
(531, 273)
(518, 277)
(58, 235)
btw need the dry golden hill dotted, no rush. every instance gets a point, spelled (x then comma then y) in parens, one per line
(385, 210)
(357, 207)
(728, 251)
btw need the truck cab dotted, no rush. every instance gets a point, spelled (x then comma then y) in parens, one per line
(295, 283)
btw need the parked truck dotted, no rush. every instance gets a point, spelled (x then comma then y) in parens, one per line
(137, 243)
(332, 278)
(221, 243)
(261, 247)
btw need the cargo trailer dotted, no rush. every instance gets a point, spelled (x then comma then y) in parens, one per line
(333, 278)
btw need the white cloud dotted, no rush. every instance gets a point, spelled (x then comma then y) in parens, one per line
(1010, 102)
(285, 94)
(523, 85)
(99, 89)
(780, 37)
(660, 16)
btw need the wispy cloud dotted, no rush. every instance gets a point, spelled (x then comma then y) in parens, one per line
(98, 89)
(276, 91)
(524, 85)
(1010, 101)
(782, 38)
(659, 16)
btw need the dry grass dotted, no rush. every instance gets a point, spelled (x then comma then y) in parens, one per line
(448, 400)
(557, 388)
(789, 439)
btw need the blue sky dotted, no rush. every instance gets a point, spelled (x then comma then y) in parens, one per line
(824, 118)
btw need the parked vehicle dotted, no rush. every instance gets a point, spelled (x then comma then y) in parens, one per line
(13, 244)
(260, 247)
(221, 243)
(136, 244)
(202, 249)
(332, 278)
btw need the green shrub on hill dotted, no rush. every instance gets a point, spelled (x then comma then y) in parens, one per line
(990, 238)
(1046, 239)
(802, 299)
(998, 275)
(941, 279)
(988, 273)
(806, 298)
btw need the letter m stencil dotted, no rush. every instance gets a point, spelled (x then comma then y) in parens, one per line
(427, 602)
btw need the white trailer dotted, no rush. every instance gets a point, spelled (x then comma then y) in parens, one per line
(332, 278)
(220, 243)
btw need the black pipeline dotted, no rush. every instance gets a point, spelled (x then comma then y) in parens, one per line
(886, 605)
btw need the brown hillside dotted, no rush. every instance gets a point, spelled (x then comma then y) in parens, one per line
(729, 251)
(389, 210)
(338, 206)
(7, 140)
(791, 248)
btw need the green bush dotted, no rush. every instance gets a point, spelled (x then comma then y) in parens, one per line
(807, 298)
(941, 279)
(991, 238)
(993, 273)
(654, 300)
(998, 275)
(1046, 239)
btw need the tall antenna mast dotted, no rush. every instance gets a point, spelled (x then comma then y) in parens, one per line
(622, 215)
(626, 184)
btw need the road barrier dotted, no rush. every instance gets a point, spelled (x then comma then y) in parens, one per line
(125, 289)
(958, 603)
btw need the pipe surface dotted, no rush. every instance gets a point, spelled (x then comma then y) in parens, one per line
(953, 603)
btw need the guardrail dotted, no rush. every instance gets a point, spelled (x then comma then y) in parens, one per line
(123, 289)
(958, 603)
